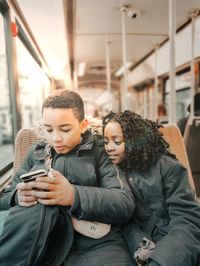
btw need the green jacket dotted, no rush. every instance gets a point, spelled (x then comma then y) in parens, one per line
(167, 213)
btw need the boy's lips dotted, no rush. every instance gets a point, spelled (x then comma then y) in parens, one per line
(59, 147)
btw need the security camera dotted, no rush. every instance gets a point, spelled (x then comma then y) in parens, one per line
(134, 13)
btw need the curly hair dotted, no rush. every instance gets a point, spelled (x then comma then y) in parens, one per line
(143, 141)
(64, 99)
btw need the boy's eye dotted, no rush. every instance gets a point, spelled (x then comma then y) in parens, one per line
(48, 130)
(65, 130)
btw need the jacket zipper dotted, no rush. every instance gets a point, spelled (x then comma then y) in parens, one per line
(118, 177)
(37, 234)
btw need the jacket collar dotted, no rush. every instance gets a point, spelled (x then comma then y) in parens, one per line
(87, 141)
(86, 144)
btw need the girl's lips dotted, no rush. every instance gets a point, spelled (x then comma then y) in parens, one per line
(113, 157)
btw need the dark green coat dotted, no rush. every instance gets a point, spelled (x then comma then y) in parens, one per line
(100, 195)
(166, 213)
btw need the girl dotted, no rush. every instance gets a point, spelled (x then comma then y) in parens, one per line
(165, 227)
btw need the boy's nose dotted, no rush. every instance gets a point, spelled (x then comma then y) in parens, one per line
(56, 137)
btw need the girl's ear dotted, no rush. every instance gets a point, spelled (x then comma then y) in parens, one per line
(84, 125)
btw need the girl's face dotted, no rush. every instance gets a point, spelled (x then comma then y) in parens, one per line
(114, 142)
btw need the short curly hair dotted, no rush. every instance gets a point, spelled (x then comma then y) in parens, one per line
(143, 141)
(64, 99)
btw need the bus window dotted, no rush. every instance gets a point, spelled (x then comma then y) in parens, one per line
(6, 138)
(183, 99)
(33, 86)
(183, 94)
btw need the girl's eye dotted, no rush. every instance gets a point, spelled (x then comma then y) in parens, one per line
(118, 142)
(105, 142)
(65, 130)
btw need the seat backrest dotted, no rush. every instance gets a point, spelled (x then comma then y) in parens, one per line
(25, 138)
(192, 144)
(172, 135)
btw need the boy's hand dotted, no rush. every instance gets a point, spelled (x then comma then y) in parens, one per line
(53, 189)
(24, 194)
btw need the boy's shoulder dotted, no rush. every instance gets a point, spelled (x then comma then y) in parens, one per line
(92, 140)
(98, 140)
(37, 150)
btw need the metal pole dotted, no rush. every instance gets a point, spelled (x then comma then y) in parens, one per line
(75, 81)
(12, 76)
(108, 72)
(155, 101)
(193, 16)
(172, 32)
(145, 103)
(125, 89)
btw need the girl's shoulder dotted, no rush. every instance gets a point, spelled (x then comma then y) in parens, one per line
(166, 158)
(166, 164)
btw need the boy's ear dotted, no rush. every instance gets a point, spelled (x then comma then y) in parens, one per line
(84, 125)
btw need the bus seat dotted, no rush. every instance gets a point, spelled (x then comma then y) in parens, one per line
(24, 140)
(192, 144)
(172, 135)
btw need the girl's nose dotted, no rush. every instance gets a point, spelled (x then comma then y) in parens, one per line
(109, 147)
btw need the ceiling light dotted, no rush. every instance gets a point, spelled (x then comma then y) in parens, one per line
(81, 69)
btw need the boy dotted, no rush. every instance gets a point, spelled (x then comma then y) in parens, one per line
(81, 178)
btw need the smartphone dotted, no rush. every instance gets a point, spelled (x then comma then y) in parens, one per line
(33, 175)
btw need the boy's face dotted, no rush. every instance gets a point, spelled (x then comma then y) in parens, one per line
(62, 128)
(114, 142)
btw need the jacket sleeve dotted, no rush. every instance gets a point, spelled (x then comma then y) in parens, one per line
(181, 245)
(8, 194)
(110, 202)
(133, 235)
